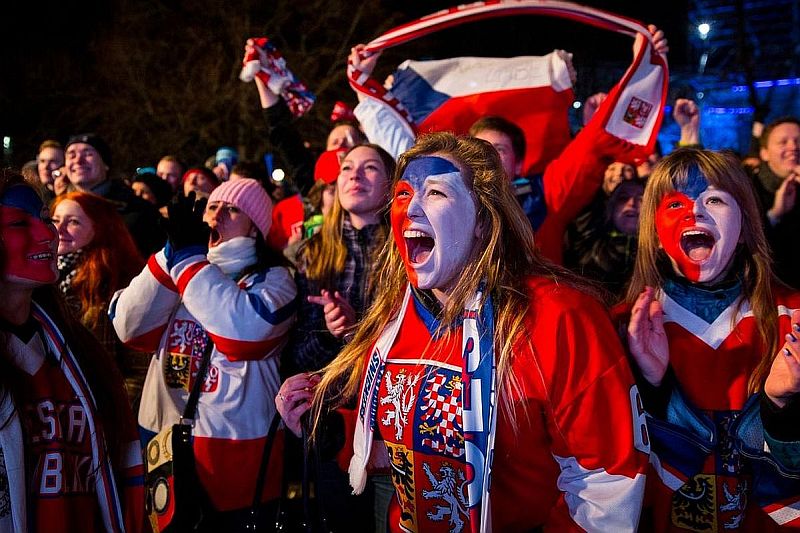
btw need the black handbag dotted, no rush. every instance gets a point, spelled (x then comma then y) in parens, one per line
(174, 499)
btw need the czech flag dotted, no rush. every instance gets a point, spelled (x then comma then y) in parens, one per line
(534, 92)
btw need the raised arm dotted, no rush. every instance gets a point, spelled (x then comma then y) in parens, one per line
(281, 131)
(381, 125)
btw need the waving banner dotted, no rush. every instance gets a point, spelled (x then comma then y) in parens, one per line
(533, 92)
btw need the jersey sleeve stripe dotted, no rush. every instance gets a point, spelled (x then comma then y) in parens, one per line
(273, 318)
(239, 350)
(160, 274)
(187, 275)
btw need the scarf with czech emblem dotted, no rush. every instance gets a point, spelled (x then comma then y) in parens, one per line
(479, 410)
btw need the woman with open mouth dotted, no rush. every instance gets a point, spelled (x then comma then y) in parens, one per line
(480, 364)
(214, 293)
(714, 335)
(69, 453)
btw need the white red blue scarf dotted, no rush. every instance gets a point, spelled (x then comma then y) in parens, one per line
(105, 484)
(634, 108)
(479, 410)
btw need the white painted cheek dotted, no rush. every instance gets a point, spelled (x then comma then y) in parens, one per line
(729, 226)
(455, 237)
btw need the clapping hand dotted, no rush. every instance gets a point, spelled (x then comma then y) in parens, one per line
(647, 339)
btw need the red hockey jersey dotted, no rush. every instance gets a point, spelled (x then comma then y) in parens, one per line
(573, 459)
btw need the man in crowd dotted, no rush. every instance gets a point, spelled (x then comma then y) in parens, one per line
(88, 159)
(776, 180)
(170, 169)
(49, 158)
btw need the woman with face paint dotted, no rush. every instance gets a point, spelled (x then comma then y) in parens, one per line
(475, 348)
(214, 291)
(69, 453)
(714, 336)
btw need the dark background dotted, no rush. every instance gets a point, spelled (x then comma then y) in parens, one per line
(160, 76)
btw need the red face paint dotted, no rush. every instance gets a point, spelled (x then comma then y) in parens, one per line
(403, 193)
(674, 215)
(28, 247)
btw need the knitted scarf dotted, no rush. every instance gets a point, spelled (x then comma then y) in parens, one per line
(67, 269)
(234, 255)
(480, 420)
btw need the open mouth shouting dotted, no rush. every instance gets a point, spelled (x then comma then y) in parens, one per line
(419, 246)
(697, 244)
(434, 222)
(700, 230)
(214, 238)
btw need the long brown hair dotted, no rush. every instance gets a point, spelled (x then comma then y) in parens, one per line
(501, 259)
(724, 172)
(323, 256)
(111, 259)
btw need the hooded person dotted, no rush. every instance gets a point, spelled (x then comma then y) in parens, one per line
(714, 335)
(148, 186)
(215, 282)
(466, 354)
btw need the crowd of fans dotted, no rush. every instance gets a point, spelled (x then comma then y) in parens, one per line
(285, 286)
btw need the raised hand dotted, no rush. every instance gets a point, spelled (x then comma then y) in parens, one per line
(567, 58)
(253, 50)
(339, 314)
(783, 380)
(687, 116)
(647, 339)
(785, 198)
(184, 225)
(660, 44)
(591, 106)
(363, 61)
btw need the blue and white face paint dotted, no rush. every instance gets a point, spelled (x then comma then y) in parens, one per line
(434, 221)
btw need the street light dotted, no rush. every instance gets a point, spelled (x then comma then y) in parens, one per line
(703, 29)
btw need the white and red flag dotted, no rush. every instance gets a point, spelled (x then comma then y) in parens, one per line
(533, 92)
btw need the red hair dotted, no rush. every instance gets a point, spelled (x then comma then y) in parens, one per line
(111, 259)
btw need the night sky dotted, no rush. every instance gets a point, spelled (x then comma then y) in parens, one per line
(51, 52)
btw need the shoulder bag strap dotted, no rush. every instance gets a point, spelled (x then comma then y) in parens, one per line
(190, 410)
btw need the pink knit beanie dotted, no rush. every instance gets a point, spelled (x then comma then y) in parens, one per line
(249, 196)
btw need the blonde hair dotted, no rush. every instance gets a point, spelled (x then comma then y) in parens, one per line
(723, 171)
(501, 259)
(322, 257)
